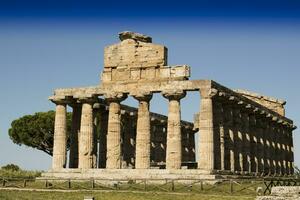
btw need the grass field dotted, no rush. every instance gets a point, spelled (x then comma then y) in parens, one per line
(12, 187)
(113, 195)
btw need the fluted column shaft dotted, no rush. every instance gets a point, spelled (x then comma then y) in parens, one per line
(273, 164)
(60, 137)
(174, 143)
(291, 158)
(114, 131)
(238, 138)
(247, 141)
(267, 155)
(219, 136)
(229, 138)
(253, 143)
(87, 157)
(206, 129)
(73, 155)
(283, 151)
(260, 143)
(143, 143)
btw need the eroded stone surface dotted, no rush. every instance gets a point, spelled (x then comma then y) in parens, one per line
(240, 132)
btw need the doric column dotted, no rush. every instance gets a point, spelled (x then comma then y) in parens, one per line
(114, 130)
(75, 128)
(220, 136)
(291, 144)
(247, 139)
(267, 149)
(228, 137)
(283, 149)
(206, 129)
(174, 146)
(60, 136)
(278, 147)
(143, 143)
(238, 139)
(260, 126)
(253, 143)
(87, 157)
(273, 163)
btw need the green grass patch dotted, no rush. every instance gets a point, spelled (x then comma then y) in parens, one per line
(9, 173)
(114, 195)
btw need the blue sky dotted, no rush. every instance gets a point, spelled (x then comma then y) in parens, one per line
(251, 45)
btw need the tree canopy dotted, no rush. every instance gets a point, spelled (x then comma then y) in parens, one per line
(37, 131)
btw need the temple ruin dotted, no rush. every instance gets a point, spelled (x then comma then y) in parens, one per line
(240, 133)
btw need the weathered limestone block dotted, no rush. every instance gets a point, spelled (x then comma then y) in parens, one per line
(76, 118)
(87, 157)
(283, 193)
(114, 130)
(143, 132)
(135, 36)
(174, 145)
(60, 138)
(135, 58)
(133, 52)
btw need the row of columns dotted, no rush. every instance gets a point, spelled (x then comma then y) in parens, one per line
(234, 137)
(87, 151)
(237, 137)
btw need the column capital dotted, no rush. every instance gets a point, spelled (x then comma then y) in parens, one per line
(59, 101)
(174, 94)
(89, 100)
(142, 96)
(208, 93)
(115, 96)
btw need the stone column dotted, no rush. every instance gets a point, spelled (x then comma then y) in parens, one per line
(247, 140)
(273, 164)
(291, 159)
(260, 126)
(206, 129)
(114, 130)
(267, 155)
(238, 139)
(219, 136)
(87, 157)
(73, 154)
(60, 136)
(143, 143)
(278, 147)
(174, 146)
(283, 149)
(228, 138)
(253, 143)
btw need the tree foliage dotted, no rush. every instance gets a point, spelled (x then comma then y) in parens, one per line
(11, 167)
(36, 130)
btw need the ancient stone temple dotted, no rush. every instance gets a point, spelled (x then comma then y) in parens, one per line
(240, 132)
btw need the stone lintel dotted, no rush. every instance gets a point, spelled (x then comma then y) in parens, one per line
(259, 96)
(155, 87)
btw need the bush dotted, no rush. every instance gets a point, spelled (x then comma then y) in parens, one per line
(14, 171)
(11, 167)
